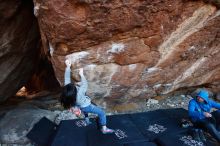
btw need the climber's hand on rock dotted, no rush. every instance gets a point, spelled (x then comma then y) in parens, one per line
(81, 71)
(68, 63)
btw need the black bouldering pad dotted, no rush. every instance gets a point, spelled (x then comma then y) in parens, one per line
(125, 132)
(176, 113)
(73, 133)
(181, 139)
(43, 132)
(147, 116)
(131, 129)
(155, 123)
(141, 144)
(96, 138)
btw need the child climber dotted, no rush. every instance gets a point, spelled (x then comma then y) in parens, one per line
(74, 98)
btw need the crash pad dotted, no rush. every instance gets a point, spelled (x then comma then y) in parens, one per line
(156, 123)
(42, 132)
(73, 133)
(141, 144)
(125, 132)
(183, 138)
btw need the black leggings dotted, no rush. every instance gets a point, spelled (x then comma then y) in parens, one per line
(211, 125)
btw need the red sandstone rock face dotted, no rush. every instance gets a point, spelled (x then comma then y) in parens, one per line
(18, 45)
(133, 49)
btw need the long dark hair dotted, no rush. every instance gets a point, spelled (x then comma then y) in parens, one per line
(68, 96)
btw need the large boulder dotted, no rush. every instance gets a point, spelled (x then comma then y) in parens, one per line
(19, 45)
(133, 49)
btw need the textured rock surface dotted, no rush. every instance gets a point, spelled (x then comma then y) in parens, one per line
(133, 49)
(16, 123)
(18, 45)
(43, 78)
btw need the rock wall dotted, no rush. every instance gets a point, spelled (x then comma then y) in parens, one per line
(43, 78)
(133, 49)
(19, 45)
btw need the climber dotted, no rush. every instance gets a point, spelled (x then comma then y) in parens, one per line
(74, 97)
(201, 116)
